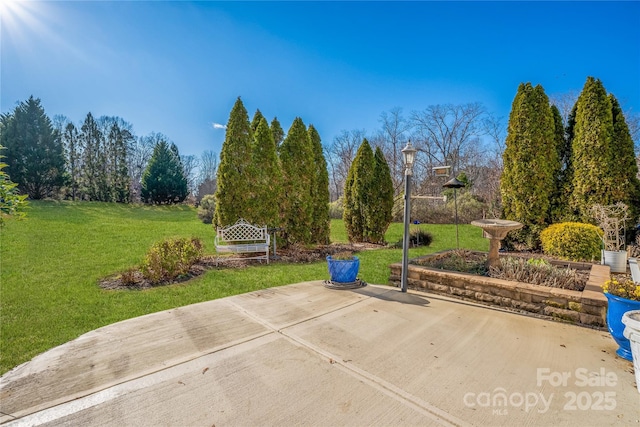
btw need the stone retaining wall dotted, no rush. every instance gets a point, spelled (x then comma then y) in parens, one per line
(588, 307)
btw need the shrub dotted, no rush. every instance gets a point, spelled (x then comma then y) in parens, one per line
(572, 240)
(417, 237)
(171, 258)
(335, 209)
(207, 208)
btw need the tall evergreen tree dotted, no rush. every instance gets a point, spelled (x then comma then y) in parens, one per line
(277, 132)
(73, 151)
(297, 160)
(263, 201)
(119, 182)
(381, 212)
(235, 161)
(93, 161)
(594, 158)
(320, 224)
(357, 194)
(34, 151)
(530, 163)
(626, 187)
(559, 199)
(163, 182)
(257, 118)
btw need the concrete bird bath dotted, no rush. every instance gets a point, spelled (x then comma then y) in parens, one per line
(495, 230)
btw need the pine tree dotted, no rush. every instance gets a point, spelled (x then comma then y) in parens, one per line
(297, 160)
(277, 132)
(163, 181)
(530, 162)
(381, 211)
(233, 179)
(625, 172)
(93, 165)
(34, 151)
(594, 157)
(263, 202)
(358, 193)
(320, 224)
(73, 149)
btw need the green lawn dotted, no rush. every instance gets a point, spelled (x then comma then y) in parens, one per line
(50, 264)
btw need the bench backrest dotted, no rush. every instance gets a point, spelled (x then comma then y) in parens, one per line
(242, 231)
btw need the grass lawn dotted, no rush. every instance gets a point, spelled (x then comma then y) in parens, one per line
(50, 264)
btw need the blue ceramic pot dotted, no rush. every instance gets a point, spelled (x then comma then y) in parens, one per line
(618, 306)
(343, 271)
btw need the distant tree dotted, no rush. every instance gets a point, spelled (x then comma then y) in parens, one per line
(12, 203)
(392, 138)
(381, 202)
(357, 194)
(34, 151)
(118, 141)
(163, 182)
(560, 198)
(340, 155)
(190, 164)
(263, 199)
(320, 223)
(140, 152)
(297, 160)
(233, 180)
(93, 161)
(207, 178)
(530, 163)
(73, 154)
(277, 132)
(257, 118)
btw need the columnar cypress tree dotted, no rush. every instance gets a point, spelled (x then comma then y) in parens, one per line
(257, 117)
(594, 158)
(560, 200)
(381, 212)
(235, 162)
(320, 225)
(530, 163)
(358, 190)
(297, 160)
(626, 186)
(263, 202)
(277, 132)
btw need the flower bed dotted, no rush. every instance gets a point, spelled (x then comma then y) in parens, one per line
(587, 307)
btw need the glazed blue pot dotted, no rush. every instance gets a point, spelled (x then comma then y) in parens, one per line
(618, 306)
(343, 271)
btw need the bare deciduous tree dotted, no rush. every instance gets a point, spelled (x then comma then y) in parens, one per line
(391, 139)
(339, 156)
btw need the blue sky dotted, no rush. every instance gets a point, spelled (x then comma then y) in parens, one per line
(178, 67)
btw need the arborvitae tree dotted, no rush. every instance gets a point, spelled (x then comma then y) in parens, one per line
(119, 180)
(594, 157)
(358, 191)
(93, 165)
(320, 224)
(233, 181)
(627, 185)
(559, 200)
(263, 201)
(34, 151)
(297, 160)
(381, 211)
(530, 163)
(277, 132)
(163, 182)
(257, 117)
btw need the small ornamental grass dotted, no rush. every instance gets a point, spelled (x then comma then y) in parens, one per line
(624, 288)
(538, 272)
(171, 258)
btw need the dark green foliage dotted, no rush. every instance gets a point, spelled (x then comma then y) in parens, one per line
(277, 132)
(163, 181)
(94, 184)
(73, 149)
(594, 158)
(531, 164)
(263, 199)
(11, 202)
(34, 151)
(320, 224)
(117, 170)
(625, 174)
(560, 198)
(297, 160)
(381, 209)
(207, 208)
(233, 180)
(356, 193)
(573, 241)
(171, 258)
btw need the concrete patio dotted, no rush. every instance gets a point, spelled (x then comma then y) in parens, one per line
(306, 355)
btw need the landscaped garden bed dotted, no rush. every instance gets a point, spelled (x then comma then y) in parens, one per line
(586, 306)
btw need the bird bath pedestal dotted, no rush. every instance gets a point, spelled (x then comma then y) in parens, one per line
(495, 230)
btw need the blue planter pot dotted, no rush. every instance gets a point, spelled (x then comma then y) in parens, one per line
(343, 271)
(617, 308)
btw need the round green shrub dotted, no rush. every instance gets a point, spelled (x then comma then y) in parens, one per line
(207, 208)
(171, 258)
(573, 241)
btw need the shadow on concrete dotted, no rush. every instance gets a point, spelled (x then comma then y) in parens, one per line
(393, 295)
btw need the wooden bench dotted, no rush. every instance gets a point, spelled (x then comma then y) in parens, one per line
(242, 238)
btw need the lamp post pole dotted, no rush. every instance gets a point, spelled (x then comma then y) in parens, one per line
(455, 184)
(409, 155)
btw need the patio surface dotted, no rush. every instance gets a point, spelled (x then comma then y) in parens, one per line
(306, 355)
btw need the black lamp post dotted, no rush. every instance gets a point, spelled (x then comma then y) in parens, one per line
(455, 184)
(409, 155)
